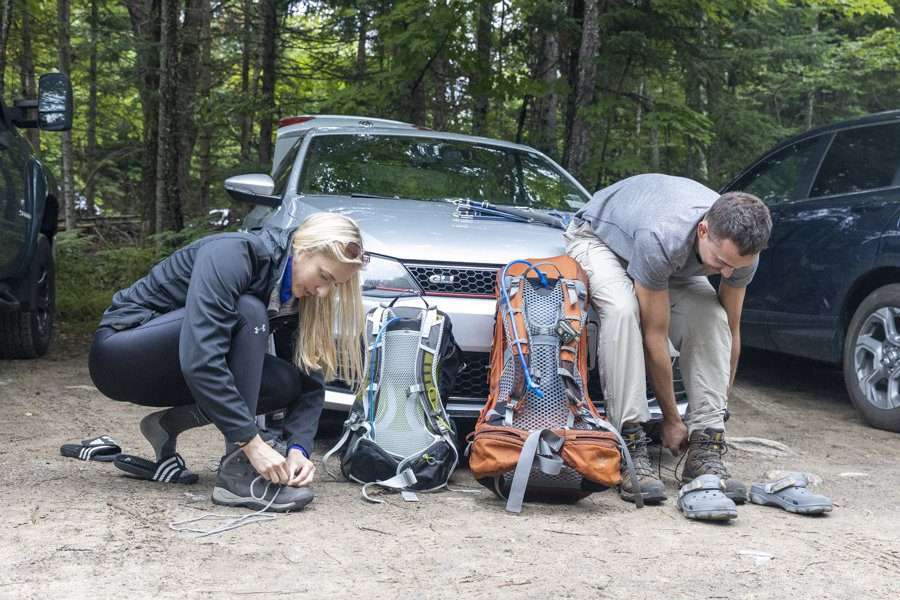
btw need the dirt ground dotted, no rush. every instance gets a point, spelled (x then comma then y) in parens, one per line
(72, 529)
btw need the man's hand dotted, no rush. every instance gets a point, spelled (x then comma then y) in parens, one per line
(267, 461)
(674, 435)
(301, 468)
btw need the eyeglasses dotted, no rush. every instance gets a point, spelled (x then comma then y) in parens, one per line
(355, 251)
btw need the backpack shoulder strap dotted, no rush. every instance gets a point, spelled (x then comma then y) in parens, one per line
(569, 329)
(430, 336)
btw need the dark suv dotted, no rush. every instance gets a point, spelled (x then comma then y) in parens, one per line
(828, 287)
(28, 214)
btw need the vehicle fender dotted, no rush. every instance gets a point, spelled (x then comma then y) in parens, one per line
(889, 247)
(885, 270)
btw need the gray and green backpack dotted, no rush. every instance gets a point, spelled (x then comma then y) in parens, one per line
(398, 435)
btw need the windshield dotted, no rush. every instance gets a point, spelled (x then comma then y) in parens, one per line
(424, 168)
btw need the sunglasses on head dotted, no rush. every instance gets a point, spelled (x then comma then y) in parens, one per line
(355, 251)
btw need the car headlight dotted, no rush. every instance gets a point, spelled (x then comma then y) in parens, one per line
(386, 278)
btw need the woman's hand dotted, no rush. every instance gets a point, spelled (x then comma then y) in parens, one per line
(301, 468)
(267, 461)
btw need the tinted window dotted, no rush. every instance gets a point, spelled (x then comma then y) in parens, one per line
(283, 171)
(861, 159)
(421, 168)
(544, 185)
(775, 179)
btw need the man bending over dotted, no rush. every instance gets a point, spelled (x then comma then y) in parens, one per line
(648, 244)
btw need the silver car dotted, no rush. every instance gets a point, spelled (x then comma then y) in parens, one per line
(417, 196)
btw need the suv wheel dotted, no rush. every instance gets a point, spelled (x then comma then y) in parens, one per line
(872, 358)
(26, 333)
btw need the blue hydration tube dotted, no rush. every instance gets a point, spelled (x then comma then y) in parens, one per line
(531, 385)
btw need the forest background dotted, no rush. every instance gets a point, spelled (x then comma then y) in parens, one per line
(173, 96)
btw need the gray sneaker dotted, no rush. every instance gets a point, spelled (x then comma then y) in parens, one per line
(704, 457)
(235, 487)
(652, 489)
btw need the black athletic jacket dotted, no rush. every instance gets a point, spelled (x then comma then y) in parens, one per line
(206, 278)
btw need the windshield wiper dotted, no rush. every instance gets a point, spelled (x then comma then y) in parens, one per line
(361, 195)
(517, 214)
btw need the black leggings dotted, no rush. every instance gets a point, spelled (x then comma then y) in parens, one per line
(141, 365)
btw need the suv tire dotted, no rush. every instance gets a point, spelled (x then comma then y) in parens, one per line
(26, 333)
(872, 358)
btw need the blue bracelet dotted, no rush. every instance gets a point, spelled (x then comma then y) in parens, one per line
(300, 448)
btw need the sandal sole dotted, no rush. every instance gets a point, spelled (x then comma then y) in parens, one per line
(710, 515)
(139, 468)
(815, 509)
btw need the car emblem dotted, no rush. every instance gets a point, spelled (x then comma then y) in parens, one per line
(442, 279)
(366, 123)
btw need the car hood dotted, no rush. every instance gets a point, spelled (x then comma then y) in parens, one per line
(424, 231)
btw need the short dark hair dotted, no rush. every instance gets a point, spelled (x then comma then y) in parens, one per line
(741, 218)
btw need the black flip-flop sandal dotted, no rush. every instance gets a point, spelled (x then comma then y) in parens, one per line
(168, 470)
(102, 449)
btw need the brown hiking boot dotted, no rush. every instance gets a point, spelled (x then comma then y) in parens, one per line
(652, 489)
(704, 457)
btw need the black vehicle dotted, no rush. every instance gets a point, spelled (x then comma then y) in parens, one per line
(28, 214)
(828, 287)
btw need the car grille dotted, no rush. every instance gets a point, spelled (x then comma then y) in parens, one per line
(472, 382)
(454, 280)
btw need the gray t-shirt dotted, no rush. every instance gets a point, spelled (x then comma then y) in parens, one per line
(650, 221)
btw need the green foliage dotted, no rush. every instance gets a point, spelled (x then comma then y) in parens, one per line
(690, 87)
(89, 269)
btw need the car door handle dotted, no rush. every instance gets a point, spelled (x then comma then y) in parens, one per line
(24, 215)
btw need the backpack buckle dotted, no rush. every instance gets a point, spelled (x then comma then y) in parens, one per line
(566, 332)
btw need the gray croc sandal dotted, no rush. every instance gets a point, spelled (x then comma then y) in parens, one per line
(790, 493)
(704, 499)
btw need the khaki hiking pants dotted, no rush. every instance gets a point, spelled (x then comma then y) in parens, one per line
(698, 329)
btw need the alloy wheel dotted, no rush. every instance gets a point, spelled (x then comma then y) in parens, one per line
(876, 358)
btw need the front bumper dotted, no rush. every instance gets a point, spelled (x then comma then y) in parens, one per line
(473, 328)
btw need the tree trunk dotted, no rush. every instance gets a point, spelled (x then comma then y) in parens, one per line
(145, 23)
(546, 107)
(28, 78)
(440, 107)
(654, 148)
(695, 97)
(361, 66)
(186, 108)
(269, 61)
(246, 61)
(523, 115)
(91, 150)
(569, 55)
(585, 88)
(481, 76)
(639, 119)
(65, 64)
(5, 20)
(206, 119)
(168, 209)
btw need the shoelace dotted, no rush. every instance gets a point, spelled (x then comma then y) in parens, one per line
(708, 455)
(233, 522)
(639, 454)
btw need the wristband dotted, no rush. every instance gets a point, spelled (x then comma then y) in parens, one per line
(301, 449)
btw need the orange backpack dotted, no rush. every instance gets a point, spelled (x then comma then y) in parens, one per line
(539, 432)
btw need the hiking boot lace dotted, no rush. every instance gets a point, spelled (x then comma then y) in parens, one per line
(637, 446)
(705, 455)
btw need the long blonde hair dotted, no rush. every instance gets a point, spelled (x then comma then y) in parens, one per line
(338, 353)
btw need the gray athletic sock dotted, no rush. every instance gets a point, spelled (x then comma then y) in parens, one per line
(163, 427)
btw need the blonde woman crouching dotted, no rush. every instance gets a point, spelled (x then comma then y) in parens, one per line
(192, 335)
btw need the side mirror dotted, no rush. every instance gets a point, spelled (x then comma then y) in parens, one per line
(255, 188)
(55, 106)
